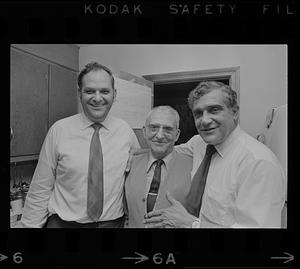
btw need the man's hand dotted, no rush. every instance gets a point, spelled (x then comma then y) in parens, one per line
(174, 216)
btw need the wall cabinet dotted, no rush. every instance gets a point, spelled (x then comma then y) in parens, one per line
(41, 93)
(28, 104)
(62, 93)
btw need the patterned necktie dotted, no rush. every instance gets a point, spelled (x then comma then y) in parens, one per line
(194, 198)
(95, 177)
(153, 191)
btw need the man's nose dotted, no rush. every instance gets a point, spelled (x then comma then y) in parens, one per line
(205, 119)
(98, 96)
(160, 132)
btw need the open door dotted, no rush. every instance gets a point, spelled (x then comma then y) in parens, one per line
(134, 101)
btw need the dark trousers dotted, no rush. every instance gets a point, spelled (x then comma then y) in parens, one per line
(54, 221)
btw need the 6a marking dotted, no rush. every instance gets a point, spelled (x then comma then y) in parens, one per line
(157, 258)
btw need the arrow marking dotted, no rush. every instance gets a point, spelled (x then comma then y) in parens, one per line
(288, 259)
(141, 258)
(2, 257)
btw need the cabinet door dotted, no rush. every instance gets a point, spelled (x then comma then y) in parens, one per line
(28, 103)
(63, 100)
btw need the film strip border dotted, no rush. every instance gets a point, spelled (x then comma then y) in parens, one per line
(127, 248)
(148, 248)
(148, 21)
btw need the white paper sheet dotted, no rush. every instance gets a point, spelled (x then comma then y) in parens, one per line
(133, 102)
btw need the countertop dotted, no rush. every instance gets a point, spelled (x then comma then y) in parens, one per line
(15, 220)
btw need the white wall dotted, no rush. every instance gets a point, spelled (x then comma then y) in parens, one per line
(263, 69)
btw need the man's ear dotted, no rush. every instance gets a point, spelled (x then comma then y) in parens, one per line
(144, 132)
(178, 134)
(235, 112)
(115, 94)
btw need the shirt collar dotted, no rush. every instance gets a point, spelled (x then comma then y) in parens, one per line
(224, 147)
(167, 160)
(86, 122)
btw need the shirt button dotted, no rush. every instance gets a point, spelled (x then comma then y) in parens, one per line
(143, 200)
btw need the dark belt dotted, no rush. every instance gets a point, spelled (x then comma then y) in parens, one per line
(54, 221)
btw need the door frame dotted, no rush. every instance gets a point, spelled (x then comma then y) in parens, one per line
(231, 73)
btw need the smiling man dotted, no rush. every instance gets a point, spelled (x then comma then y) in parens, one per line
(79, 178)
(237, 182)
(158, 171)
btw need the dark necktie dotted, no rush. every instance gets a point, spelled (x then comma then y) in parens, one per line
(153, 191)
(95, 177)
(194, 198)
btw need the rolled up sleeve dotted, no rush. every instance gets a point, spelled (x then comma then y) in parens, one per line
(35, 211)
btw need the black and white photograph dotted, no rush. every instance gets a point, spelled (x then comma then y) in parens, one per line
(171, 124)
(159, 111)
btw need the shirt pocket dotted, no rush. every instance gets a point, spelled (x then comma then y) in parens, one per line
(216, 208)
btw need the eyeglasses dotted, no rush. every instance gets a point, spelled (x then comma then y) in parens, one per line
(154, 128)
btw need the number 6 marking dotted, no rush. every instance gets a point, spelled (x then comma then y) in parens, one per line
(17, 257)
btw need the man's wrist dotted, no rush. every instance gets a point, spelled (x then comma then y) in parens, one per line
(195, 223)
(191, 221)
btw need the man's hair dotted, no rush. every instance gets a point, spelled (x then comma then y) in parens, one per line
(205, 87)
(94, 66)
(169, 109)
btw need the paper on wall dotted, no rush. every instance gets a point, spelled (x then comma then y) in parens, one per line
(133, 102)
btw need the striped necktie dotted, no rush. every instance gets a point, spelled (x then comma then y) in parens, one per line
(153, 191)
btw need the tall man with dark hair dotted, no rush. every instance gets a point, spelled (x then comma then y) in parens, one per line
(237, 181)
(79, 178)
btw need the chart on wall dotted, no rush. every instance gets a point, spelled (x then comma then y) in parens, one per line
(133, 101)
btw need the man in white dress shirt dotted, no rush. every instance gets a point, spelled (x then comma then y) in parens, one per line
(245, 186)
(57, 197)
